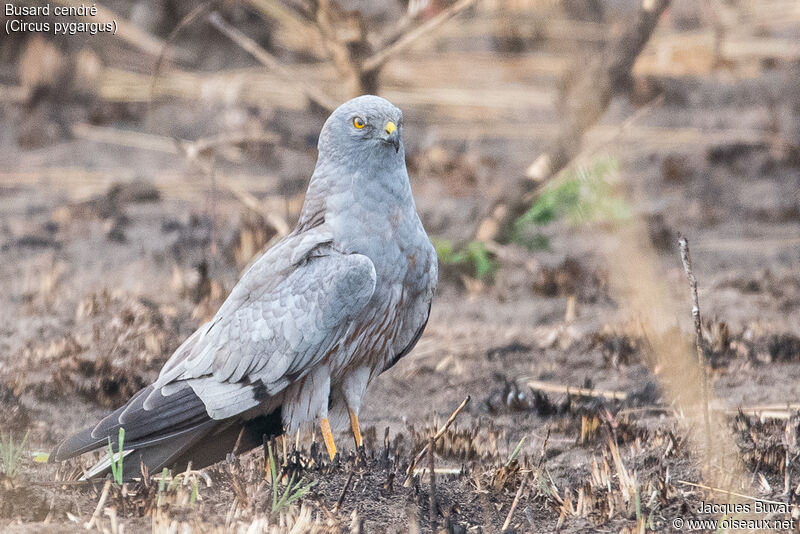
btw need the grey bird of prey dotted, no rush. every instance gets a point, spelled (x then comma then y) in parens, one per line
(310, 324)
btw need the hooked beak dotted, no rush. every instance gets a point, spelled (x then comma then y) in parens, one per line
(391, 135)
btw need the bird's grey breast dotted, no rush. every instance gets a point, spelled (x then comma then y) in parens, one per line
(406, 276)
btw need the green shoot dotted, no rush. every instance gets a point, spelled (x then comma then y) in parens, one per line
(163, 480)
(293, 491)
(116, 463)
(10, 454)
(516, 452)
(582, 196)
(473, 256)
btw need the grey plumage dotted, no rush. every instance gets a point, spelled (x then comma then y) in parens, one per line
(309, 325)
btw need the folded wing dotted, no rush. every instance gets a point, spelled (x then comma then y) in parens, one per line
(287, 312)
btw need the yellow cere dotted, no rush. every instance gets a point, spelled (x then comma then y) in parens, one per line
(358, 122)
(390, 127)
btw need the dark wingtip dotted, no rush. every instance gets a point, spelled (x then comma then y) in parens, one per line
(74, 445)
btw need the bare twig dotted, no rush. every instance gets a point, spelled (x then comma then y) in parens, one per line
(204, 144)
(584, 101)
(193, 15)
(295, 30)
(340, 500)
(686, 259)
(537, 171)
(355, 53)
(432, 478)
(346, 42)
(314, 94)
(436, 437)
(550, 387)
(168, 145)
(415, 7)
(126, 138)
(787, 474)
(514, 504)
(764, 411)
(543, 450)
(377, 60)
(100, 504)
(128, 32)
(727, 492)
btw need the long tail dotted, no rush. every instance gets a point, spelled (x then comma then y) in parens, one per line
(167, 431)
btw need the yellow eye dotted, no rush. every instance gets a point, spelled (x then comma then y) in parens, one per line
(359, 123)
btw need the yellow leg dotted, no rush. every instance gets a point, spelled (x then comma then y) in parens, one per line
(354, 427)
(328, 437)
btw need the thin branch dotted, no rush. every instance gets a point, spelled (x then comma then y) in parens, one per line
(584, 102)
(432, 476)
(538, 385)
(436, 437)
(764, 411)
(168, 145)
(99, 507)
(204, 144)
(186, 21)
(728, 493)
(340, 500)
(514, 504)
(378, 59)
(539, 170)
(415, 7)
(301, 29)
(314, 94)
(686, 259)
(125, 30)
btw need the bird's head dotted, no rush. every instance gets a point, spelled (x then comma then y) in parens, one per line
(367, 127)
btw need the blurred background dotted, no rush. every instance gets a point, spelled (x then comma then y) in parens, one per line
(557, 150)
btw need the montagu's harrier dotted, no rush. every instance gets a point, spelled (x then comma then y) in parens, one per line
(314, 320)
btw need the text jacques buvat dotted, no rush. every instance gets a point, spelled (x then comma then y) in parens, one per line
(39, 19)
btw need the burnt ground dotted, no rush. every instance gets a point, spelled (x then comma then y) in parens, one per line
(113, 254)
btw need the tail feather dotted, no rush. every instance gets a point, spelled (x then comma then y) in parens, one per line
(201, 441)
(243, 436)
(203, 445)
(167, 431)
(156, 456)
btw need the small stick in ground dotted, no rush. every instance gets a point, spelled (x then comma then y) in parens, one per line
(100, 504)
(346, 487)
(514, 504)
(790, 446)
(543, 451)
(438, 435)
(686, 259)
(727, 493)
(432, 496)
